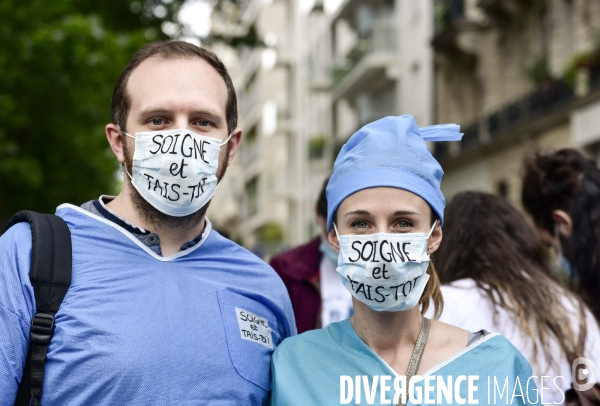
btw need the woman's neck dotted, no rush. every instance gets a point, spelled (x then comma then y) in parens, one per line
(387, 332)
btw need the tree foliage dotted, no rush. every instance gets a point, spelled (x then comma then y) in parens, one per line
(59, 61)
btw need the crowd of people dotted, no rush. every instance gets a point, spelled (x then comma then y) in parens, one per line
(162, 309)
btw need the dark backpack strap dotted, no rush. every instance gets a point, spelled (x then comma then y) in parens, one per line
(50, 275)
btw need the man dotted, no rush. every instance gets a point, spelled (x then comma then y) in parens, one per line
(309, 273)
(161, 309)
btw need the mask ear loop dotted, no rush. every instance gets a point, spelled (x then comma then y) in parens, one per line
(129, 135)
(429, 234)
(336, 234)
(226, 141)
(123, 164)
(431, 231)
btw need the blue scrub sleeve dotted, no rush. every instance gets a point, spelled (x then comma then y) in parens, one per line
(17, 305)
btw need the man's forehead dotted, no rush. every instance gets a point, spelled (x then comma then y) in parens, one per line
(187, 79)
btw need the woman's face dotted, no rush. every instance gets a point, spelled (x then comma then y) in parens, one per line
(385, 210)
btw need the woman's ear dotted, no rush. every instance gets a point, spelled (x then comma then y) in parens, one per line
(564, 221)
(435, 238)
(333, 240)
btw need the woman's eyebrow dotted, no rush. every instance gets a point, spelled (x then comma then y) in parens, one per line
(406, 212)
(362, 212)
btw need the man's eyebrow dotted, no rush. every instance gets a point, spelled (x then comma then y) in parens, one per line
(211, 114)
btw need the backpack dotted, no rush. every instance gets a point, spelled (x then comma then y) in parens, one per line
(50, 276)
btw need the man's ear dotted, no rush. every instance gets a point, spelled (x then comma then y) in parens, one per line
(115, 140)
(234, 144)
(564, 221)
(435, 239)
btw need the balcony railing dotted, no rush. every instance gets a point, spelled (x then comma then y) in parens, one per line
(380, 39)
(547, 99)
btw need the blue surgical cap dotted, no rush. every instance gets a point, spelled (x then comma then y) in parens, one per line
(390, 152)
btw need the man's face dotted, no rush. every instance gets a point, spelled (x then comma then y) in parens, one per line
(168, 94)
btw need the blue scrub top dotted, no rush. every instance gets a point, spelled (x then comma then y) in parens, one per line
(316, 367)
(198, 327)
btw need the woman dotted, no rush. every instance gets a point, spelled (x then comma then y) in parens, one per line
(496, 276)
(561, 192)
(385, 211)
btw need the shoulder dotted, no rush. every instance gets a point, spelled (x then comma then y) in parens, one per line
(462, 293)
(83, 222)
(466, 305)
(444, 341)
(18, 233)
(16, 295)
(15, 244)
(496, 346)
(228, 256)
(228, 251)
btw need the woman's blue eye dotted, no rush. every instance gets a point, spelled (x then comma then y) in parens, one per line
(360, 224)
(404, 224)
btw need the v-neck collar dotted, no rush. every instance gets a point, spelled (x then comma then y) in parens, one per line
(207, 230)
(355, 341)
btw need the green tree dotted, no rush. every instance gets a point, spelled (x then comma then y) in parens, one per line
(59, 61)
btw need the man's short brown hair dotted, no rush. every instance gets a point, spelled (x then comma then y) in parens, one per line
(121, 102)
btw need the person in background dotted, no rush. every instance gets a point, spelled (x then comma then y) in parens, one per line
(308, 271)
(561, 192)
(496, 276)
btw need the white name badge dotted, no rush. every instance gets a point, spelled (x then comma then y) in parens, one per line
(254, 328)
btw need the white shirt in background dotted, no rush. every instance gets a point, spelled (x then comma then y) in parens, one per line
(468, 307)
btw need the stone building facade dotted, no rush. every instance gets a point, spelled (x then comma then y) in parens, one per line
(518, 76)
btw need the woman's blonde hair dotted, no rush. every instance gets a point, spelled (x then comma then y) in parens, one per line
(432, 293)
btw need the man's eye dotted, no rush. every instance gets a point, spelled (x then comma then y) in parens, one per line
(359, 224)
(204, 123)
(157, 121)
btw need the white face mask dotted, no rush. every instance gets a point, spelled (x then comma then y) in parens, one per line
(387, 272)
(175, 170)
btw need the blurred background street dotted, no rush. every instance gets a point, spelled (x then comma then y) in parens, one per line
(517, 75)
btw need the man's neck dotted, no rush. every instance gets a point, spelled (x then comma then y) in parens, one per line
(171, 238)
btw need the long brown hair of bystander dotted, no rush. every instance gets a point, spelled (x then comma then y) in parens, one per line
(488, 240)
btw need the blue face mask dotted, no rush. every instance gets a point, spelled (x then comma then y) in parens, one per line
(328, 252)
(566, 265)
(562, 260)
